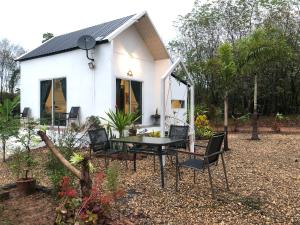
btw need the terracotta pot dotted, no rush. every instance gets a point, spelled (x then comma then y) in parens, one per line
(26, 185)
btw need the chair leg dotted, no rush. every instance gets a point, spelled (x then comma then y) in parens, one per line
(134, 162)
(224, 168)
(177, 174)
(210, 181)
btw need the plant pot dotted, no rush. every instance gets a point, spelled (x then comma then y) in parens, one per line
(132, 132)
(26, 186)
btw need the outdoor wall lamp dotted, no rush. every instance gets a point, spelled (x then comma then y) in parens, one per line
(91, 65)
(129, 73)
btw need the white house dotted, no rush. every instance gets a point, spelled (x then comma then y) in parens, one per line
(130, 60)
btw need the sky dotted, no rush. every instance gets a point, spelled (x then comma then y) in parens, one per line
(23, 22)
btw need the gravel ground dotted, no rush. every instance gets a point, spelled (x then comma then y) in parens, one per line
(264, 179)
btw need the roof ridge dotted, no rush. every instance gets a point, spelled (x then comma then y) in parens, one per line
(107, 22)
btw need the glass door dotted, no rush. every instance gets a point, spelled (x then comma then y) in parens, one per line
(53, 102)
(129, 96)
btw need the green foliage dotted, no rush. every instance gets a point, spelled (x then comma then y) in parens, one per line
(8, 125)
(94, 122)
(47, 36)
(279, 117)
(28, 136)
(21, 162)
(67, 143)
(228, 68)
(264, 36)
(112, 177)
(202, 128)
(119, 120)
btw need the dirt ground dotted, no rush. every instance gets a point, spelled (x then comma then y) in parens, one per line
(264, 179)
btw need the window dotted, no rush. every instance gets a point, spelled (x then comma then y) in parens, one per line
(129, 96)
(177, 104)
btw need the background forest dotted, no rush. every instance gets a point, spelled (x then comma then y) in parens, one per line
(263, 36)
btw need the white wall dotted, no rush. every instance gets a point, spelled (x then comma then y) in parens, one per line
(130, 53)
(80, 79)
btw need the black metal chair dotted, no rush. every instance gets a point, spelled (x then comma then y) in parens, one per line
(210, 158)
(99, 143)
(25, 113)
(65, 118)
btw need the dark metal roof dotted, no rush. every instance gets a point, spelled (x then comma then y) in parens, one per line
(68, 42)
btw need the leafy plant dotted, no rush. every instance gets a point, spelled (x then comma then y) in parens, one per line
(93, 122)
(202, 127)
(276, 124)
(240, 120)
(21, 163)
(119, 120)
(66, 143)
(8, 125)
(94, 209)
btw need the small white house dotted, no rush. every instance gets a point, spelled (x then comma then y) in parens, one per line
(129, 62)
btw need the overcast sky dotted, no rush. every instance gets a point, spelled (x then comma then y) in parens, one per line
(24, 21)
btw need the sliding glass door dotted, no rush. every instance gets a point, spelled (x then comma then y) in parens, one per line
(129, 96)
(53, 101)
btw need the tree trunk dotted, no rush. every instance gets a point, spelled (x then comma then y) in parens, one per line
(85, 180)
(3, 150)
(255, 114)
(226, 122)
(84, 175)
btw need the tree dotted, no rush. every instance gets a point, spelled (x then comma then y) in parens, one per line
(201, 31)
(8, 125)
(262, 50)
(47, 36)
(8, 66)
(228, 72)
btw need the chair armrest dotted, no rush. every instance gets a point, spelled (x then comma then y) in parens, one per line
(189, 153)
(216, 153)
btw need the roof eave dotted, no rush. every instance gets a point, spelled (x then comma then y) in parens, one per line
(58, 52)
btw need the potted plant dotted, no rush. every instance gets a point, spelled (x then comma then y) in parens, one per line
(119, 120)
(156, 118)
(21, 163)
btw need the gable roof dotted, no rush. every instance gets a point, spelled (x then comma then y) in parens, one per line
(68, 42)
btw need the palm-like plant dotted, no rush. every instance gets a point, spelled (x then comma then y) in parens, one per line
(119, 120)
(228, 72)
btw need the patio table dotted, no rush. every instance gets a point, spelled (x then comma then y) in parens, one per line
(159, 142)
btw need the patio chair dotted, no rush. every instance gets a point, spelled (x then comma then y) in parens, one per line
(25, 113)
(100, 144)
(65, 118)
(210, 158)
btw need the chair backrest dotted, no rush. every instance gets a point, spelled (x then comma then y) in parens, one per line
(25, 112)
(74, 112)
(214, 146)
(99, 139)
(179, 132)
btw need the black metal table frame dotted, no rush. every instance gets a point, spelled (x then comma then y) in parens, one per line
(153, 142)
